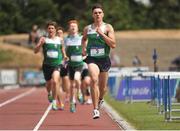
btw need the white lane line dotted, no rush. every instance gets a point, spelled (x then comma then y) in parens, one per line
(43, 117)
(17, 97)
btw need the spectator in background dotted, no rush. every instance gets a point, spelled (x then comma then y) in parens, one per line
(136, 61)
(33, 36)
(41, 32)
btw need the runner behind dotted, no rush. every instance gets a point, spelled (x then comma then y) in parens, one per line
(53, 51)
(75, 63)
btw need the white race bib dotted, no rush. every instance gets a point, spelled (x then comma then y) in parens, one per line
(76, 58)
(97, 52)
(52, 54)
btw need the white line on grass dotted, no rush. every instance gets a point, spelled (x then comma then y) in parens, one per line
(43, 117)
(17, 97)
(122, 123)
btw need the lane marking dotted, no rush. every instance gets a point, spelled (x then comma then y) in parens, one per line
(17, 97)
(43, 117)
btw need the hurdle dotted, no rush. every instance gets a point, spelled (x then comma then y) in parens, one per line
(128, 76)
(161, 94)
(168, 103)
(164, 95)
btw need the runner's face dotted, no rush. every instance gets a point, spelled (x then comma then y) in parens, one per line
(98, 14)
(73, 28)
(51, 30)
(60, 33)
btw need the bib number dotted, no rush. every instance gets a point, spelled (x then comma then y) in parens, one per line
(76, 58)
(97, 52)
(52, 54)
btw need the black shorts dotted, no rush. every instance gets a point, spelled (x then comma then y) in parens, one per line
(64, 71)
(48, 70)
(72, 71)
(84, 73)
(104, 64)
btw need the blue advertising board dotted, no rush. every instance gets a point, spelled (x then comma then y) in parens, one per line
(141, 88)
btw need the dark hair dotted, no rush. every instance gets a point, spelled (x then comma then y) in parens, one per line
(53, 23)
(97, 5)
(60, 28)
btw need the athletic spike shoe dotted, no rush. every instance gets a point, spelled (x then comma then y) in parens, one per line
(80, 98)
(100, 104)
(50, 98)
(61, 107)
(96, 114)
(54, 106)
(72, 107)
(88, 102)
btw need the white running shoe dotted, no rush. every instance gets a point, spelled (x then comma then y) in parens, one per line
(54, 106)
(96, 114)
(100, 103)
(88, 102)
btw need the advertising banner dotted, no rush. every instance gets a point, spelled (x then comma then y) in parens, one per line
(32, 78)
(8, 77)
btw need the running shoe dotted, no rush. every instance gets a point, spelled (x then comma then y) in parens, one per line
(54, 106)
(80, 98)
(61, 107)
(50, 98)
(100, 103)
(72, 107)
(96, 114)
(89, 101)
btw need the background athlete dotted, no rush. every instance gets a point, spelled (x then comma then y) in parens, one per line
(53, 51)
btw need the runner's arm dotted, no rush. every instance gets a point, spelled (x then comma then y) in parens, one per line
(39, 44)
(63, 51)
(110, 37)
(84, 41)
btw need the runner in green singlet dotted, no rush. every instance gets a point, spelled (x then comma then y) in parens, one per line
(75, 63)
(64, 71)
(53, 51)
(98, 39)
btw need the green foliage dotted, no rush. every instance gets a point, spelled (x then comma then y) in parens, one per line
(19, 15)
(8, 11)
(164, 14)
(39, 11)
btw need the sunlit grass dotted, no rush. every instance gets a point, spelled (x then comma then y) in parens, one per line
(142, 116)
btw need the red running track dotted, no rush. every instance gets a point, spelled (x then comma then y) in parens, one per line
(29, 109)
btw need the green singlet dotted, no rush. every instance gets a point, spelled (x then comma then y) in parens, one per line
(74, 50)
(52, 51)
(96, 46)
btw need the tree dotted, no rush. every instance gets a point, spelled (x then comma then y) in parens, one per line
(39, 12)
(9, 13)
(164, 14)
